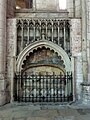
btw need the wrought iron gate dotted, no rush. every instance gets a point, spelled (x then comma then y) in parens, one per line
(43, 88)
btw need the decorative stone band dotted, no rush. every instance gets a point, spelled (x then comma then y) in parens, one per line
(85, 92)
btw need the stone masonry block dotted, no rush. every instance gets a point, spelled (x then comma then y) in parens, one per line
(65, 118)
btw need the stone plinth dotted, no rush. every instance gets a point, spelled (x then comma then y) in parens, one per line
(85, 93)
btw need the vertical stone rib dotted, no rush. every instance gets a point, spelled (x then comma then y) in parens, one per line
(73, 8)
(88, 38)
(2, 35)
(84, 40)
(64, 37)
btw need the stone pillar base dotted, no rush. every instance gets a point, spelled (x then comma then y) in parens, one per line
(2, 92)
(85, 93)
(2, 98)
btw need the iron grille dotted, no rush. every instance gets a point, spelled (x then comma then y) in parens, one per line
(43, 88)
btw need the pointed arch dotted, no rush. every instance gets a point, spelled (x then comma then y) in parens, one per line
(47, 44)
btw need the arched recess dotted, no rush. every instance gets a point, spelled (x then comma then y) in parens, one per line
(47, 44)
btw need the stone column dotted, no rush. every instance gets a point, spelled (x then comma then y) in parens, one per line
(2, 50)
(85, 55)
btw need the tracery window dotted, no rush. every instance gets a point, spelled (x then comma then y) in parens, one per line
(24, 4)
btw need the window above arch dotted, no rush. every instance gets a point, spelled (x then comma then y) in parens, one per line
(24, 4)
(62, 4)
(28, 4)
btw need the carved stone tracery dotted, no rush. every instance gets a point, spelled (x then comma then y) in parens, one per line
(54, 30)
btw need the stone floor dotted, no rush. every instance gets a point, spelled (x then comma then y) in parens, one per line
(20, 111)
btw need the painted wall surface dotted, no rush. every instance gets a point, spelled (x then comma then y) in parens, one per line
(45, 69)
(43, 61)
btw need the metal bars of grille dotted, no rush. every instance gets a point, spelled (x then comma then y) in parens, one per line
(43, 88)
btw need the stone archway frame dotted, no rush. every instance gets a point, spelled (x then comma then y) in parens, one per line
(40, 44)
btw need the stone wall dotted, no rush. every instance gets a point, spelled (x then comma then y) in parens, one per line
(47, 5)
(70, 7)
(75, 36)
(77, 8)
(74, 8)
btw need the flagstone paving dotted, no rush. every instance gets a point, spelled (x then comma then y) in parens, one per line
(44, 112)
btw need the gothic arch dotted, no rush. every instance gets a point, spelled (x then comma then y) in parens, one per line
(47, 44)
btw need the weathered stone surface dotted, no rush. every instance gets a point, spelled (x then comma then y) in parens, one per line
(75, 36)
